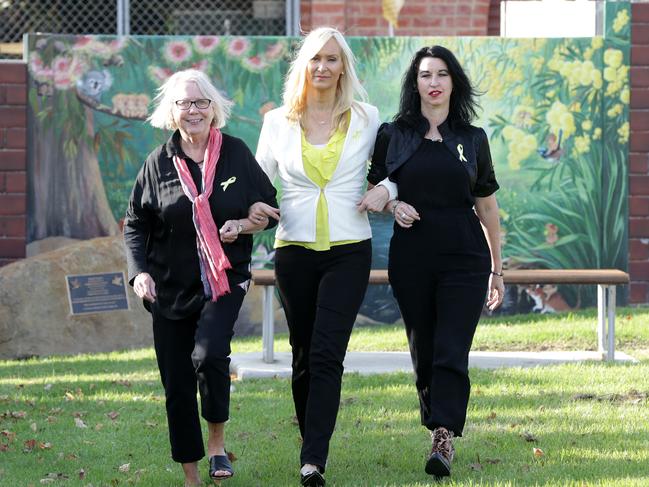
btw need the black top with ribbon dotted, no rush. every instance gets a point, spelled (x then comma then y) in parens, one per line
(396, 142)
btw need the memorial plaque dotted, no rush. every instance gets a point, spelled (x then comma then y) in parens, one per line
(96, 293)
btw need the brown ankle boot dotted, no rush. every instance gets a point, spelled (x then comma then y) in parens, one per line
(441, 454)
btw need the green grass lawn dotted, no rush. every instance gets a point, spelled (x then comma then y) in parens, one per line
(99, 419)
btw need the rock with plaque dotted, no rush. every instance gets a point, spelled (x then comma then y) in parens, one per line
(96, 293)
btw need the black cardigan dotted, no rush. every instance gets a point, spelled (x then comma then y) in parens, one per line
(159, 231)
(396, 142)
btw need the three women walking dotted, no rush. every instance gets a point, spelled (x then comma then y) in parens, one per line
(199, 197)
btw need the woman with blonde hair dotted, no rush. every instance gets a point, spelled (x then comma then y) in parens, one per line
(188, 246)
(318, 144)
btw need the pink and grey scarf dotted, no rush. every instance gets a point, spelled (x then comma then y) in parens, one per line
(212, 259)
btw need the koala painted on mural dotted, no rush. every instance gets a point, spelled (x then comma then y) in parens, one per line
(94, 83)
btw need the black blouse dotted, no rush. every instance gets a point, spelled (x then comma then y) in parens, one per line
(433, 179)
(396, 144)
(159, 231)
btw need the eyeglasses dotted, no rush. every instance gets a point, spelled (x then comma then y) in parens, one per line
(201, 103)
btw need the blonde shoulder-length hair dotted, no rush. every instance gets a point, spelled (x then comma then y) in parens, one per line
(349, 87)
(162, 116)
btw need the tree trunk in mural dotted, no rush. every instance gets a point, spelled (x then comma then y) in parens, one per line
(67, 196)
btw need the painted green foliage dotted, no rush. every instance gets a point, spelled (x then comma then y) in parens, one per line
(556, 111)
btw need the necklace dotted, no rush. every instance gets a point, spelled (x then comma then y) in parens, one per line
(315, 119)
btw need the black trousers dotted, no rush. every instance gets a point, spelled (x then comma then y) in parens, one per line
(440, 297)
(192, 352)
(321, 293)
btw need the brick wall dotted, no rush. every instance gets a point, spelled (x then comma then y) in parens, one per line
(493, 23)
(639, 156)
(13, 160)
(417, 17)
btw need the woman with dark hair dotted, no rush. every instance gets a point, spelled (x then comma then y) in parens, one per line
(445, 252)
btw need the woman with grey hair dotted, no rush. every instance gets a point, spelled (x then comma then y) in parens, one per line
(188, 245)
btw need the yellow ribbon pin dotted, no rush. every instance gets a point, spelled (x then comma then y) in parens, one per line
(460, 151)
(227, 183)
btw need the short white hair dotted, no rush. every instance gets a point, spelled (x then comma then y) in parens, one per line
(162, 116)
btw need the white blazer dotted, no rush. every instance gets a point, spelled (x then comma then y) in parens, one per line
(279, 152)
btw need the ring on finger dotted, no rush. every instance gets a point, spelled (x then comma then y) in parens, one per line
(403, 215)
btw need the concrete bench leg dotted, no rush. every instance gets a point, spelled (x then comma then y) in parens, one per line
(606, 321)
(611, 324)
(268, 325)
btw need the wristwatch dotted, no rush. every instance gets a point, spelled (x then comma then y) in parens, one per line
(240, 227)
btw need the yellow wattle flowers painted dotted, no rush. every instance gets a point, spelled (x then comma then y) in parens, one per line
(616, 73)
(623, 132)
(577, 73)
(597, 133)
(559, 118)
(621, 19)
(582, 144)
(520, 146)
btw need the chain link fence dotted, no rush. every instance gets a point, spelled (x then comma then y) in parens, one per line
(142, 17)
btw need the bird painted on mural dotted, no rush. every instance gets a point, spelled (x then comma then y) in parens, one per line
(552, 152)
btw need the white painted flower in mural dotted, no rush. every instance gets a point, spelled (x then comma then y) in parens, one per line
(238, 46)
(254, 63)
(205, 44)
(160, 74)
(201, 65)
(177, 51)
(274, 51)
(66, 70)
(38, 69)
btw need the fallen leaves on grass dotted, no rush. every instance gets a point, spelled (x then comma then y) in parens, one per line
(29, 445)
(10, 435)
(125, 468)
(632, 396)
(53, 477)
(538, 453)
(527, 436)
(78, 422)
(113, 415)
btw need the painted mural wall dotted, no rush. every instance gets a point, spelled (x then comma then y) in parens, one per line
(556, 111)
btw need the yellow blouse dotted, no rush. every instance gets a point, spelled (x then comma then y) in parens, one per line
(319, 165)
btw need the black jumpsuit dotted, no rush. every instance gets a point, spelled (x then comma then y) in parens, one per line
(439, 272)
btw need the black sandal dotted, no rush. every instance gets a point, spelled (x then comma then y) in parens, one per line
(220, 462)
(312, 479)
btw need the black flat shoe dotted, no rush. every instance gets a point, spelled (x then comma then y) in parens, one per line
(312, 479)
(438, 466)
(220, 462)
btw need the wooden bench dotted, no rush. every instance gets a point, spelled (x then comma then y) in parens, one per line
(605, 279)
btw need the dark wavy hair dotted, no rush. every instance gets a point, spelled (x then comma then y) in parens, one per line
(463, 105)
